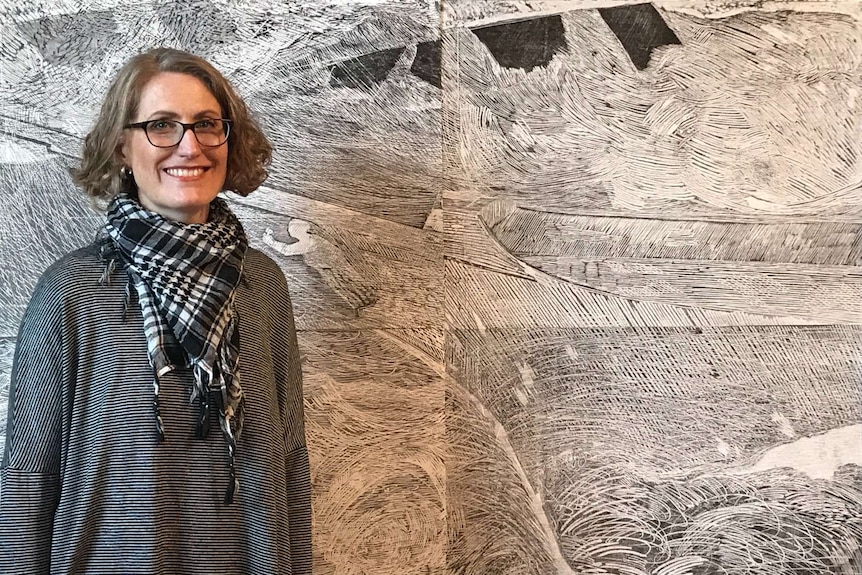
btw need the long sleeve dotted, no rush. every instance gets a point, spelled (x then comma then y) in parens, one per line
(299, 502)
(297, 464)
(30, 470)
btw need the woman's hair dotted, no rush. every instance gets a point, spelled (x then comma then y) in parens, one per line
(249, 152)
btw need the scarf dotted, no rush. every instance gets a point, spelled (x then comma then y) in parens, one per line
(185, 276)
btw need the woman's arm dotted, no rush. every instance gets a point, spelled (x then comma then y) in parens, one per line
(30, 470)
(297, 465)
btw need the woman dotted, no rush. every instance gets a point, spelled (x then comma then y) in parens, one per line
(109, 468)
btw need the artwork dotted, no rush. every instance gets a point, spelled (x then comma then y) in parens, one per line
(576, 283)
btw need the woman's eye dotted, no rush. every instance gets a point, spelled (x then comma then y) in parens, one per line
(161, 125)
(206, 124)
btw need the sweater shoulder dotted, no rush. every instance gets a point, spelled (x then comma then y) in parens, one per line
(260, 262)
(260, 268)
(74, 279)
(267, 284)
(74, 270)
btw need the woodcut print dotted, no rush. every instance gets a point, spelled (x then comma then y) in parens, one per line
(577, 283)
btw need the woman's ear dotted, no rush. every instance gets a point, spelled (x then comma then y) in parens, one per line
(121, 153)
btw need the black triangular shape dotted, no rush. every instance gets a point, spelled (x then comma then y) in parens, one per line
(426, 64)
(366, 70)
(525, 44)
(640, 29)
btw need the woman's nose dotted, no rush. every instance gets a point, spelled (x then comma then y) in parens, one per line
(189, 145)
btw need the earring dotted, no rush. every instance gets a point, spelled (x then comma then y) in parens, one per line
(126, 172)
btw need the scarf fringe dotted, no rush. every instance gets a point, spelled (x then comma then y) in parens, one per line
(127, 300)
(160, 426)
(202, 392)
(233, 482)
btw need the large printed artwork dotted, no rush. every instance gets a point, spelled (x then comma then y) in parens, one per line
(577, 283)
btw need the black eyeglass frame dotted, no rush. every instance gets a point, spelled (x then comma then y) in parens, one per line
(191, 126)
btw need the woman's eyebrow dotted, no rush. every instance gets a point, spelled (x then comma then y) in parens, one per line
(207, 114)
(173, 115)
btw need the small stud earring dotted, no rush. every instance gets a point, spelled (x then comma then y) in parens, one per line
(126, 172)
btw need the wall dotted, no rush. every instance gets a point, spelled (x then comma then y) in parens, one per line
(577, 283)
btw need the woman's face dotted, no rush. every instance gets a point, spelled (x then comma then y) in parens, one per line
(179, 182)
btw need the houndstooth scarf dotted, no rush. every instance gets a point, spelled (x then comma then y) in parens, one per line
(186, 276)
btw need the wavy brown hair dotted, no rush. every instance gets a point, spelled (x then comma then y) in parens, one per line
(249, 151)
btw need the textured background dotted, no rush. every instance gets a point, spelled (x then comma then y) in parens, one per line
(577, 283)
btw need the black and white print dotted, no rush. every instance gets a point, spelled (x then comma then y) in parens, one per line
(576, 283)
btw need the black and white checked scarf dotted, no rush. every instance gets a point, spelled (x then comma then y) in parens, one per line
(186, 276)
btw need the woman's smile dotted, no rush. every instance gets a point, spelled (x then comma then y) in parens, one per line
(186, 174)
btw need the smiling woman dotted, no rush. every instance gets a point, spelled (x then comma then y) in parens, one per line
(102, 472)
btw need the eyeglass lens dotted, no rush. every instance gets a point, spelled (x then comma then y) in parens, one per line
(167, 133)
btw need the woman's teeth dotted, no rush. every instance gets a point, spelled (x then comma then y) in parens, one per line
(184, 172)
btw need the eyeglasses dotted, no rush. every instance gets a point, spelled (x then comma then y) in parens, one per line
(210, 132)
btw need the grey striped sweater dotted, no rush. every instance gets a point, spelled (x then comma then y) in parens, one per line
(86, 488)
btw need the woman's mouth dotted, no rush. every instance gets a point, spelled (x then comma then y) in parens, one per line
(185, 172)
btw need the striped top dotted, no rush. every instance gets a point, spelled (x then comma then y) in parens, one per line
(85, 486)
